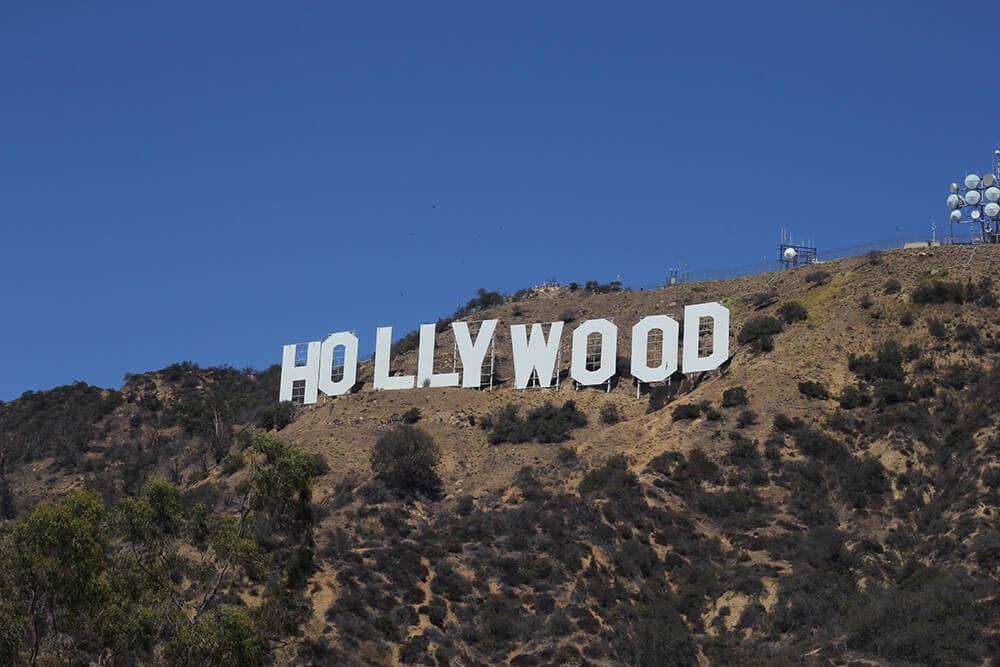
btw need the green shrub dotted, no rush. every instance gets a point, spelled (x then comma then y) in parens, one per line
(276, 417)
(936, 328)
(733, 397)
(758, 332)
(852, 397)
(406, 460)
(906, 319)
(793, 311)
(889, 392)
(688, 411)
(746, 418)
(567, 316)
(814, 390)
(611, 414)
(545, 424)
(612, 481)
(887, 364)
(784, 424)
(966, 333)
(929, 619)
(764, 299)
(660, 395)
(566, 454)
(939, 292)
(866, 302)
(465, 505)
(233, 462)
(413, 649)
(411, 416)
(891, 286)
(817, 277)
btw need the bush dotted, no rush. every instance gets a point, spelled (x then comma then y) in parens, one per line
(545, 424)
(733, 397)
(406, 460)
(411, 416)
(853, 397)
(784, 424)
(758, 332)
(764, 299)
(966, 333)
(817, 277)
(939, 292)
(889, 392)
(465, 505)
(659, 396)
(887, 364)
(928, 618)
(688, 411)
(814, 390)
(891, 286)
(567, 316)
(566, 454)
(611, 414)
(906, 319)
(746, 418)
(866, 302)
(276, 417)
(793, 311)
(936, 328)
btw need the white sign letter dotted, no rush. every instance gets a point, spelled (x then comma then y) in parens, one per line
(720, 336)
(349, 342)
(534, 353)
(472, 356)
(298, 367)
(425, 361)
(609, 352)
(669, 330)
(382, 379)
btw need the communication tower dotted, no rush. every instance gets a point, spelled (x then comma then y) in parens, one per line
(976, 201)
(791, 255)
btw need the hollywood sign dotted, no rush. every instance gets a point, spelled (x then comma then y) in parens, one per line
(308, 368)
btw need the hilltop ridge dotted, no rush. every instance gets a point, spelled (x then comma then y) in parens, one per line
(829, 495)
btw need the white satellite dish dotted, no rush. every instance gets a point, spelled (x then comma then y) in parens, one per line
(992, 210)
(989, 180)
(972, 197)
(992, 194)
(954, 202)
(972, 181)
(975, 214)
(790, 253)
(956, 216)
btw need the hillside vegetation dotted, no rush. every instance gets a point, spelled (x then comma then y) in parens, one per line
(830, 495)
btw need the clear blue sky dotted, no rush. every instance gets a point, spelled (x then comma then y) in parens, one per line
(209, 181)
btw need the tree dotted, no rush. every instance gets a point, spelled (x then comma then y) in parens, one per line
(406, 460)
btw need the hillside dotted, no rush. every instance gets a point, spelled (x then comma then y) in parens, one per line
(830, 496)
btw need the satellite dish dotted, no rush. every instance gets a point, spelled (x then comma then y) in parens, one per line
(954, 202)
(954, 187)
(992, 210)
(992, 194)
(972, 197)
(975, 214)
(989, 180)
(956, 216)
(790, 253)
(972, 181)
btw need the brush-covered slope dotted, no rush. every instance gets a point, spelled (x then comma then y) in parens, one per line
(829, 496)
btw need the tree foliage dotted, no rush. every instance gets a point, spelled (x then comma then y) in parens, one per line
(406, 460)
